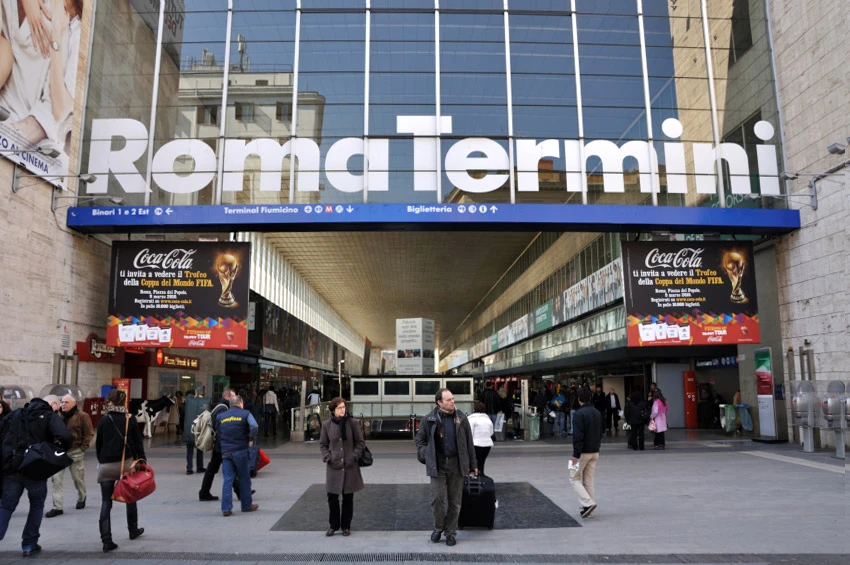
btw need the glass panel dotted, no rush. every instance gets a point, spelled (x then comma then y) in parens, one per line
(331, 74)
(426, 387)
(259, 104)
(459, 387)
(190, 95)
(396, 388)
(612, 94)
(120, 86)
(745, 93)
(473, 79)
(365, 388)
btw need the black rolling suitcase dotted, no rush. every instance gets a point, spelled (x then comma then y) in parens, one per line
(478, 507)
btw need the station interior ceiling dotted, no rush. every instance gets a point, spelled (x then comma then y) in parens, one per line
(372, 278)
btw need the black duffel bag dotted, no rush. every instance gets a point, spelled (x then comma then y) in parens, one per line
(43, 460)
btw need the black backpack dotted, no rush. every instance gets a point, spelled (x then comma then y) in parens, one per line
(644, 414)
(15, 440)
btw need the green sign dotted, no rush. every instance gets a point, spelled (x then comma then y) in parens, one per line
(543, 317)
(494, 342)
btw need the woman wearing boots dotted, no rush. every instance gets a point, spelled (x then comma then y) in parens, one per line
(110, 448)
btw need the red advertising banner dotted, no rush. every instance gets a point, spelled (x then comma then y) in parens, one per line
(690, 293)
(179, 294)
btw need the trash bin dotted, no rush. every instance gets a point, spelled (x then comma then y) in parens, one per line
(729, 420)
(533, 427)
(744, 417)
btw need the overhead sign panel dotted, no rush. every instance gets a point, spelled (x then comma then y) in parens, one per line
(179, 294)
(436, 217)
(690, 293)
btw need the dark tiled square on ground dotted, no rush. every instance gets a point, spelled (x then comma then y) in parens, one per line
(383, 507)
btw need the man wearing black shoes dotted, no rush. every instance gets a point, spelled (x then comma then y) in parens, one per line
(444, 446)
(215, 460)
(587, 437)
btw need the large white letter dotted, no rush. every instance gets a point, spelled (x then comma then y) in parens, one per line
(191, 180)
(528, 155)
(674, 155)
(271, 155)
(426, 147)
(336, 164)
(459, 163)
(104, 160)
(705, 160)
(612, 162)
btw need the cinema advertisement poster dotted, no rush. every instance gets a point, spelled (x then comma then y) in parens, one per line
(179, 294)
(690, 293)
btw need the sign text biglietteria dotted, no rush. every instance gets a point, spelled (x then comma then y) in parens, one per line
(117, 145)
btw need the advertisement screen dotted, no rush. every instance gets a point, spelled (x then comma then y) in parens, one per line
(690, 293)
(179, 294)
(38, 81)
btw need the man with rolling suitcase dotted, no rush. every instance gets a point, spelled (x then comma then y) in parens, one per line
(444, 445)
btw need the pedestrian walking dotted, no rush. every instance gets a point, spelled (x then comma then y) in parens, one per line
(444, 445)
(558, 404)
(236, 431)
(612, 412)
(195, 404)
(271, 411)
(636, 415)
(482, 433)
(79, 424)
(341, 444)
(214, 465)
(587, 437)
(658, 419)
(492, 401)
(37, 422)
(110, 446)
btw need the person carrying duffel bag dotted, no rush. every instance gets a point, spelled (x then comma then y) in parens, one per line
(34, 441)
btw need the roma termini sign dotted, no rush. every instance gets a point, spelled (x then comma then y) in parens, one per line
(118, 144)
(473, 165)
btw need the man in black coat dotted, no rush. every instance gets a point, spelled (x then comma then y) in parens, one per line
(612, 412)
(35, 423)
(587, 437)
(492, 401)
(444, 446)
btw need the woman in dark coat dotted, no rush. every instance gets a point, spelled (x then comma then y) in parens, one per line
(632, 413)
(110, 447)
(341, 444)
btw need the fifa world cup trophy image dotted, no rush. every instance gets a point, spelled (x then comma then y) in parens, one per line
(734, 265)
(227, 267)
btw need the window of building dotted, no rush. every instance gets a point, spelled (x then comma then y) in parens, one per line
(742, 33)
(283, 111)
(261, 82)
(244, 112)
(743, 135)
(207, 115)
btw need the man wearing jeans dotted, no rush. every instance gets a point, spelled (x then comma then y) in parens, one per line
(237, 430)
(444, 445)
(587, 437)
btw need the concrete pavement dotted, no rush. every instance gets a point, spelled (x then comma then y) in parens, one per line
(707, 498)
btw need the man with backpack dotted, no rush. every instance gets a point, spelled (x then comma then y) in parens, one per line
(215, 459)
(35, 423)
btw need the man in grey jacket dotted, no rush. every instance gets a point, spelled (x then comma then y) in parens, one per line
(444, 446)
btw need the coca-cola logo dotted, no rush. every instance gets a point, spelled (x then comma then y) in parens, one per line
(174, 259)
(687, 257)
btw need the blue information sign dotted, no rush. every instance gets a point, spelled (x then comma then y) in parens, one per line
(433, 217)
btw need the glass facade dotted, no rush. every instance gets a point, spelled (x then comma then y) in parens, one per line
(423, 101)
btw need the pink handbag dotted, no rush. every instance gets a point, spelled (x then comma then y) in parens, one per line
(652, 426)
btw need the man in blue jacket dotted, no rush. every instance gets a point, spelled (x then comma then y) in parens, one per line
(587, 437)
(236, 429)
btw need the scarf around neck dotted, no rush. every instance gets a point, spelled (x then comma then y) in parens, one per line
(343, 425)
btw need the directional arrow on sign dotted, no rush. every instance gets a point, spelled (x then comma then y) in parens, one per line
(349, 209)
(493, 209)
(169, 211)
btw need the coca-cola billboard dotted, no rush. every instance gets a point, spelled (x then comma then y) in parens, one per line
(179, 294)
(690, 293)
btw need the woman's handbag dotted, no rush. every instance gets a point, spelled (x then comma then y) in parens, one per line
(138, 482)
(365, 457)
(652, 426)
